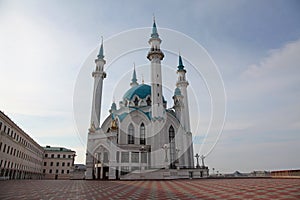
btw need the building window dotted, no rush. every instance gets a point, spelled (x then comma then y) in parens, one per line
(124, 157)
(134, 157)
(148, 101)
(136, 101)
(0, 145)
(4, 148)
(105, 157)
(68, 171)
(45, 163)
(52, 155)
(64, 156)
(69, 156)
(62, 171)
(58, 156)
(57, 164)
(44, 171)
(142, 134)
(130, 134)
(7, 149)
(118, 156)
(46, 155)
(68, 164)
(143, 157)
(50, 171)
(172, 146)
(56, 171)
(0, 125)
(63, 164)
(51, 164)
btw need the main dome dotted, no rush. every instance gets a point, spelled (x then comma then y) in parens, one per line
(142, 91)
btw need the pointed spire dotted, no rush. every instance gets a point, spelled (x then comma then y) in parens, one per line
(180, 63)
(134, 79)
(101, 54)
(154, 33)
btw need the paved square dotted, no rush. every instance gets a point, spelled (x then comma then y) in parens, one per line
(232, 189)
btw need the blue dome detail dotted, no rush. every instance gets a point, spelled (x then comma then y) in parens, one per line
(177, 92)
(113, 106)
(142, 91)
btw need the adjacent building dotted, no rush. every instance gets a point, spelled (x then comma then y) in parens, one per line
(58, 162)
(20, 156)
(23, 158)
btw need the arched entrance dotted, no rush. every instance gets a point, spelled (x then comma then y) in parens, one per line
(101, 163)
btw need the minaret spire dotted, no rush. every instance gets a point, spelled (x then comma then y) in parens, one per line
(184, 115)
(182, 84)
(180, 63)
(99, 75)
(154, 33)
(155, 55)
(101, 52)
(134, 79)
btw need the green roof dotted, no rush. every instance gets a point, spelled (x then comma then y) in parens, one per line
(142, 91)
(49, 148)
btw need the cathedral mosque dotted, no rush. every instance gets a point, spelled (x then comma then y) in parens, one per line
(142, 138)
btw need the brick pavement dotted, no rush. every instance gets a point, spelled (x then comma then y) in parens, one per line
(232, 189)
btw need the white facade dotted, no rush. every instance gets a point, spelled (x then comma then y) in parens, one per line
(142, 134)
(20, 156)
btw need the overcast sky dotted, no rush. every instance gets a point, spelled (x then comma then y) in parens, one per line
(44, 46)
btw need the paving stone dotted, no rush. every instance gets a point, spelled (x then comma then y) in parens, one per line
(172, 189)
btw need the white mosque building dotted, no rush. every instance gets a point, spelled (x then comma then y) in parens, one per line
(142, 138)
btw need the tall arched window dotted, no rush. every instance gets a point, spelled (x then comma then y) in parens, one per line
(142, 134)
(130, 134)
(172, 147)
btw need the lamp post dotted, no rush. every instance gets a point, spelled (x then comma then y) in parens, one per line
(165, 147)
(197, 157)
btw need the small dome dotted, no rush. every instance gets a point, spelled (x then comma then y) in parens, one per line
(142, 91)
(177, 92)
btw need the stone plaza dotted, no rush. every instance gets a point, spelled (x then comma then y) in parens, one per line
(233, 189)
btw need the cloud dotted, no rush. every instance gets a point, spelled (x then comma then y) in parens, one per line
(280, 69)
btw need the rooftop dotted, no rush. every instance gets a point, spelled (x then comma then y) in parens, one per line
(49, 148)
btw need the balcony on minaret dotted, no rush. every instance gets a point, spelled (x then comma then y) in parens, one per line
(155, 52)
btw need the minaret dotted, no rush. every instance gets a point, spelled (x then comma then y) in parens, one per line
(134, 79)
(178, 104)
(98, 75)
(182, 84)
(155, 55)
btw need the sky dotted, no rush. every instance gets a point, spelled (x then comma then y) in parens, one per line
(47, 49)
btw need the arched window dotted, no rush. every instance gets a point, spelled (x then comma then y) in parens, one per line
(142, 134)
(148, 101)
(172, 147)
(130, 134)
(136, 101)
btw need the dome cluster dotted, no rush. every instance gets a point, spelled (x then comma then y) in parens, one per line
(139, 95)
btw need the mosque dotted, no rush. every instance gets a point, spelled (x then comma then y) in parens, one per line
(142, 138)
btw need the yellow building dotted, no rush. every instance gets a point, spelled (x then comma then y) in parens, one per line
(58, 162)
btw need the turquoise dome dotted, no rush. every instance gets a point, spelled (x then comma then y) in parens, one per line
(142, 91)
